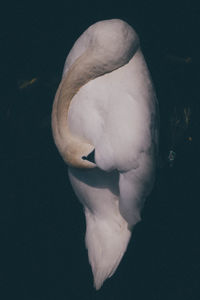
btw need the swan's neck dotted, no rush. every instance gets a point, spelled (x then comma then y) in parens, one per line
(98, 60)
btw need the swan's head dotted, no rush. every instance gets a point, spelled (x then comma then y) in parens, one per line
(113, 39)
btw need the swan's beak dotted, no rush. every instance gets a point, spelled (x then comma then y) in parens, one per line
(90, 157)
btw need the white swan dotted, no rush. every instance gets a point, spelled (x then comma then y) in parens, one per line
(104, 124)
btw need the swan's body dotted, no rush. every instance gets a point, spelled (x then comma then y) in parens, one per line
(106, 102)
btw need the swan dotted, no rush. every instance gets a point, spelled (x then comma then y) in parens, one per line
(105, 127)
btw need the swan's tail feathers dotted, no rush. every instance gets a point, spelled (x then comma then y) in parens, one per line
(106, 241)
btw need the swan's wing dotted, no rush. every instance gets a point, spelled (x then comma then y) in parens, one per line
(129, 146)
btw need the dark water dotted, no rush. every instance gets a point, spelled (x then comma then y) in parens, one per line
(42, 224)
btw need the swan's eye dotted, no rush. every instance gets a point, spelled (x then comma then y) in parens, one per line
(90, 157)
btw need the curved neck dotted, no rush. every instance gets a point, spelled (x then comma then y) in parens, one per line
(90, 65)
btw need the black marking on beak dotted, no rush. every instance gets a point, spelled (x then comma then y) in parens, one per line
(90, 157)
